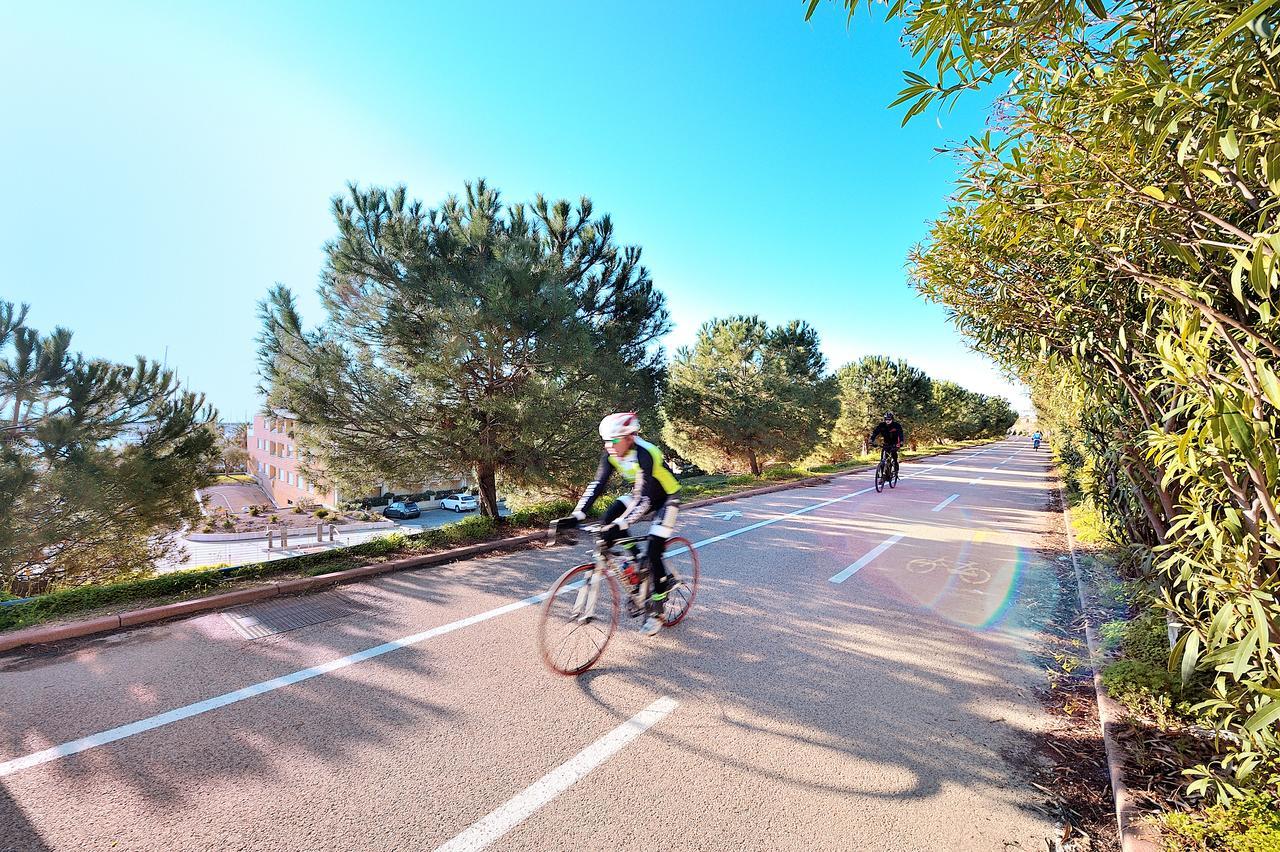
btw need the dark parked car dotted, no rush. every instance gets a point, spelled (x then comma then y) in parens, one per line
(401, 510)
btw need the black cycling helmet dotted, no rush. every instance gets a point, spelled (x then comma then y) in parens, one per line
(888, 415)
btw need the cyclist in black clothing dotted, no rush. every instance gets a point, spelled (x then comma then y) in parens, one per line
(893, 435)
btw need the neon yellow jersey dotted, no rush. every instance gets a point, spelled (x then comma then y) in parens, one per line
(629, 467)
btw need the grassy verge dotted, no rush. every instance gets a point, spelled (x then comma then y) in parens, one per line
(180, 585)
(1167, 736)
(234, 479)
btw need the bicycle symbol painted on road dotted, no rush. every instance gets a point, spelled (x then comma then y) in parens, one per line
(968, 572)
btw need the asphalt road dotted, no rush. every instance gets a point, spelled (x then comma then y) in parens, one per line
(854, 675)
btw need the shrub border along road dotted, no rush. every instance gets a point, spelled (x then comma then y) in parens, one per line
(56, 604)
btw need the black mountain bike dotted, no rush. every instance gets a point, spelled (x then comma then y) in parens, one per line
(886, 471)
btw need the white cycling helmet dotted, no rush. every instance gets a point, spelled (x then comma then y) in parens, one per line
(619, 425)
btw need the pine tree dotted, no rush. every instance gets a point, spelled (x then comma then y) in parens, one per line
(98, 461)
(958, 414)
(478, 339)
(746, 395)
(871, 386)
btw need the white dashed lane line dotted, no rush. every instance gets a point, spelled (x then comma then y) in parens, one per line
(518, 808)
(945, 503)
(866, 560)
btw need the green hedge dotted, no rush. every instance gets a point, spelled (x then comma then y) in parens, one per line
(1250, 824)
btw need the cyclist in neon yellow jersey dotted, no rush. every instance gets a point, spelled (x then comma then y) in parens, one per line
(653, 493)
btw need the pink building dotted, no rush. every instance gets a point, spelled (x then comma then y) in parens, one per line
(276, 460)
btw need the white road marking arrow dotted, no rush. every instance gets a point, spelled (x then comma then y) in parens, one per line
(728, 516)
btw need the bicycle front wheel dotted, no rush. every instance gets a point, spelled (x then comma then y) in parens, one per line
(879, 479)
(578, 619)
(681, 560)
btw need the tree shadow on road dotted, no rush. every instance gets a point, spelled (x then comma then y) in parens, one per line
(859, 675)
(59, 693)
(840, 678)
(17, 834)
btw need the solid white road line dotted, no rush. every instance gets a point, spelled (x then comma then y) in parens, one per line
(518, 808)
(945, 503)
(867, 559)
(17, 764)
(66, 749)
(974, 481)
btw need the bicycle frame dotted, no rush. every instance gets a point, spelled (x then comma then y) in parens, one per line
(606, 571)
(586, 597)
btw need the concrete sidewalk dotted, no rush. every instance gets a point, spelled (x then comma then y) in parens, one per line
(246, 552)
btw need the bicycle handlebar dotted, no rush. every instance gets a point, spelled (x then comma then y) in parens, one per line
(555, 534)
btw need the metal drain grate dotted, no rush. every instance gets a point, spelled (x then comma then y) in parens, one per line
(271, 617)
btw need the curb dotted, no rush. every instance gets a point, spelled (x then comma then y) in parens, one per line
(75, 629)
(1135, 835)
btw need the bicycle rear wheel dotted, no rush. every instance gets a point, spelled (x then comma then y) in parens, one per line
(681, 560)
(578, 619)
(893, 479)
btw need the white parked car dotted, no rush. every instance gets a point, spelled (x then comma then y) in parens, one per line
(460, 503)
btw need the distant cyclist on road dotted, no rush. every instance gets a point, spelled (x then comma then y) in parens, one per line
(654, 487)
(1035, 440)
(893, 435)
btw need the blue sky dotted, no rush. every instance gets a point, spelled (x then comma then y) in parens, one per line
(166, 163)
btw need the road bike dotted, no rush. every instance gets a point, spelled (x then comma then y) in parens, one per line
(582, 607)
(886, 471)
